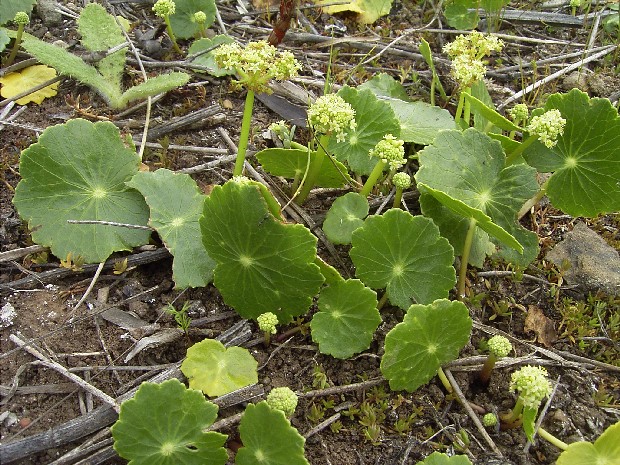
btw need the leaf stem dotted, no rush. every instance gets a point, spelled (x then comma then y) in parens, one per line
(398, 197)
(245, 133)
(547, 436)
(510, 159)
(465, 258)
(377, 171)
(467, 107)
(16, 44)
(171, 35)
(444, 380)
(313, 170)
(533, 201)
(382, 301)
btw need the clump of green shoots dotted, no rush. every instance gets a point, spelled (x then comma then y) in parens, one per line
(467, 53)
(255, 65)
(21, 19)
(164, 9)
(180, 316)
(391, 154)
(267, 323)
(499, 347)
(401, 181)
(284, 399)
(328, 116)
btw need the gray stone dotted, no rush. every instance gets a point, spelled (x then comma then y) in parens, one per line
(49, 12)
(594, 264)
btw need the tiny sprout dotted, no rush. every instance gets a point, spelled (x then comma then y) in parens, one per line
(401, 181)
(547, 127)
(574, 4)
(164, 9)
(391, 153)
(490, 419)
(267, 323)
(21, 19)
(282, 132)
(499, 347)
(284, 399)
(200, 18)
(181, 317)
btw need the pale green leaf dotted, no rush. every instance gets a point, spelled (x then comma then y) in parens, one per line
(4, 39)
(268, 438)
(155, 85)
(263, 265)
(586, 160)
(604, 451)
(176, 205)
(368, 10)
(182, 21)
(163, 425)
(215, 370)
(374, 119)
(8, 9)
(405, 255)
(437, 458)
(384, 85)
(346, 214)
(77, 171)
(420, 122)
(346, 320)
(429, 336)
(462, 14)
(490, 114)
(207, 59)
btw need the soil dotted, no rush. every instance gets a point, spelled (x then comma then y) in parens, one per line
(81, 341)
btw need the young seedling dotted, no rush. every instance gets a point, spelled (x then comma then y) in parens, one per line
(284, 399)
(328, 116)
(201, 18)
(255, 65)
(267, 323)
(499, 347)
(391, 154)
(466, 53)
(401, 181)
(164, 9)
(180, 316)
(21, 19)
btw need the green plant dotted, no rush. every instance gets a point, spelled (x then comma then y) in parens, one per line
(21, 19)
(9, 9)
(489, 420)
(164, 9)
(267, 323)
(604, 451)
(437, 458)
(180, 316)
(284, 399)
(390, 154)
(499, 347)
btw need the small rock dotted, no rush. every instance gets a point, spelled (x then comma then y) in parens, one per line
(594, 264)
(7, 314)
(49, 12)
(575, 80)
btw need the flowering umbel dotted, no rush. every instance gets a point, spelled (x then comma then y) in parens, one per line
(256, 64)
(331, 115)
(547, 127)
(466, 53)
(390, 150)
(163, 8)
(532, 384)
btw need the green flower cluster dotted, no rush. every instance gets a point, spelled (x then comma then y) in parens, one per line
(267, 322)
(164, 8)
(331, 115)
(283, 398)
(547, 127)
(490, 419)
(401, 180)
(576, 3)
(256, 64)
(519, 112)
(466, 53)
(200, 17)
(499, 346)
(22, 18)
(390, 150)
(532, 384)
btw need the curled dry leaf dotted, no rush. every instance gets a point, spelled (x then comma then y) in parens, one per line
(542, 326)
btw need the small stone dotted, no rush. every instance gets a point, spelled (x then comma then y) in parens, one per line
(24, 422)
(594, 264)
(49, 12)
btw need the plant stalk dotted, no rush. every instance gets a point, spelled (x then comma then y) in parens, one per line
(444, 380)
(16, 44)
(313, 170)
(533, 201)
(547, 436)
(382, 301)
(469, 239)
(245, 133)
(377, 171)
(171, 35)
(398, 197)
(510, 159)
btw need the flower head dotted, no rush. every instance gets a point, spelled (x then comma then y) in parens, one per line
(547, 127)
(532, 384)
(330, 114)
(401, 180)
(21, 18)
(390, 150)
(490, 419)
(466, 53)
(257, 63)
(267, 322)
(284, 399)
(164, 8)
(200, 17)
(499, 346)
(576, 3)
(519, 112)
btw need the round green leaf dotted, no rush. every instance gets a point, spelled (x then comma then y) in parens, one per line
(176, 206)
(8, 9)
(586, 160)
(163, 425)
(420, 122)
(182, 21)
(437, 458)
(604, 451)
(374, 120)
(346, 214)
(347, 319)
(268, 438)
(215, 370)
(459, 16)
(384, 85)
(405, 255)
(263, 265)
(292, 163)
(77, 171)
(428, 337)
(206, 59)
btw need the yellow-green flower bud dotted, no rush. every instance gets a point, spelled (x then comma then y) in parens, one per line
(466, 53)
(519, 112)
(547, 127)
(390, 150)
(283, 399)
(330, 114)
(499, 346)
(402, 180)
(200, 17)
(164, 8)
(21, 18)
(576, 3)
(267, 322)
(532, 384)
(490, 419)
